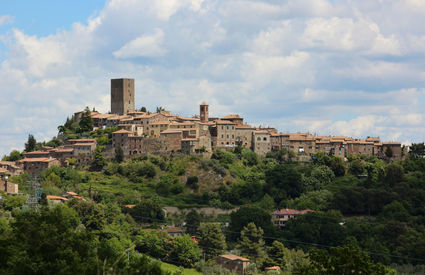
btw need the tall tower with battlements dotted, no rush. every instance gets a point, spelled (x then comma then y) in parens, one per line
(122, 95)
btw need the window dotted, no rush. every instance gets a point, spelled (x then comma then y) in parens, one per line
(222, 136)
(227, 136)
(233, 127)
(227, 127)
(265, 138)
(258, 138)
(222, 127)
(233, 136)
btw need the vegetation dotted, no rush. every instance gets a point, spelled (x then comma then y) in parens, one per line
(368, 214)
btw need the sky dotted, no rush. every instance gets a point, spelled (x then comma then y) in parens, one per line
(329, 67)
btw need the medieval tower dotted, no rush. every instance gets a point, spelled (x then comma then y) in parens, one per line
(122, 95)
(204, 112)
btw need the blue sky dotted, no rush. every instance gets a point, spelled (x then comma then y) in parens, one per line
(329, 67)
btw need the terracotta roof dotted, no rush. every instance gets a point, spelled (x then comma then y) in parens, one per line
(243, 126)
(220, 121)
(173, 230)
(130, 206)
(63, 150)
(2, 170)
(232, 116)
(50, 197)
(122, 131)
(234, 258)
(190, 139)
(160, 123)
(36, 153)
(71, 193)
(37, 160)
(101, 116)
(127, 119)
(182, 123)
(189, 118)
(301, 138)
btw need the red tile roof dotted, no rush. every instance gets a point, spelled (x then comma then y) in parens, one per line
(234, 258)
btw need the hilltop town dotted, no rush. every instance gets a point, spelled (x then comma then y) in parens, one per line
(137, 180)
(140, 132)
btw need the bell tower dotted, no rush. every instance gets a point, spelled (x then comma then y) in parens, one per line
(203, 112)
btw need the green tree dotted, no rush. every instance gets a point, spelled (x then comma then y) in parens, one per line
(250, 214)
(119, 154)
(98, 161)
(417, 150)
(143, 109)
(159, 109)
(30, 144)
(338, 167)
(357, 167)
(211, 239)
(341, 261)
(86, 122)
(14, 156)
(251, 243)
(192, 182)
(148, 211)
(250, 157)
(283, 181)
(185, 251)
(389, 152)
(318, 228)
(48, 242)
(276, 255)
(154, 243)
(394, 173)
(92, 215)
(193, 220)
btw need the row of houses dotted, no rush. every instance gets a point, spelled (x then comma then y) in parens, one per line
(144, 132)
(82, 150)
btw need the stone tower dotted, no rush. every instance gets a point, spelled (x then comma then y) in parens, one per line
(122, 95)
(204, 112)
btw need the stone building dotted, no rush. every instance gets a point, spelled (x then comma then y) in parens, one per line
(261, 142)
(36, 165)
(122, 95)
(223, 134)
(233, 263)
(244, 135)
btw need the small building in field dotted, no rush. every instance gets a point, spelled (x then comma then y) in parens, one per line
(233, 263)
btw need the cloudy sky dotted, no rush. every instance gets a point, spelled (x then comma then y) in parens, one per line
(329, 67)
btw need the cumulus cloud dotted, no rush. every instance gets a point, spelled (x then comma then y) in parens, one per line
(145, 45)
(4, 19)
(330, 67)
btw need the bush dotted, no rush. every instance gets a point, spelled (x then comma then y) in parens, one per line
(192, 182)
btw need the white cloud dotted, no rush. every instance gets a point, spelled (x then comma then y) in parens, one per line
(334, 67)
(143, 46)
(4, 19)
(348, 34)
